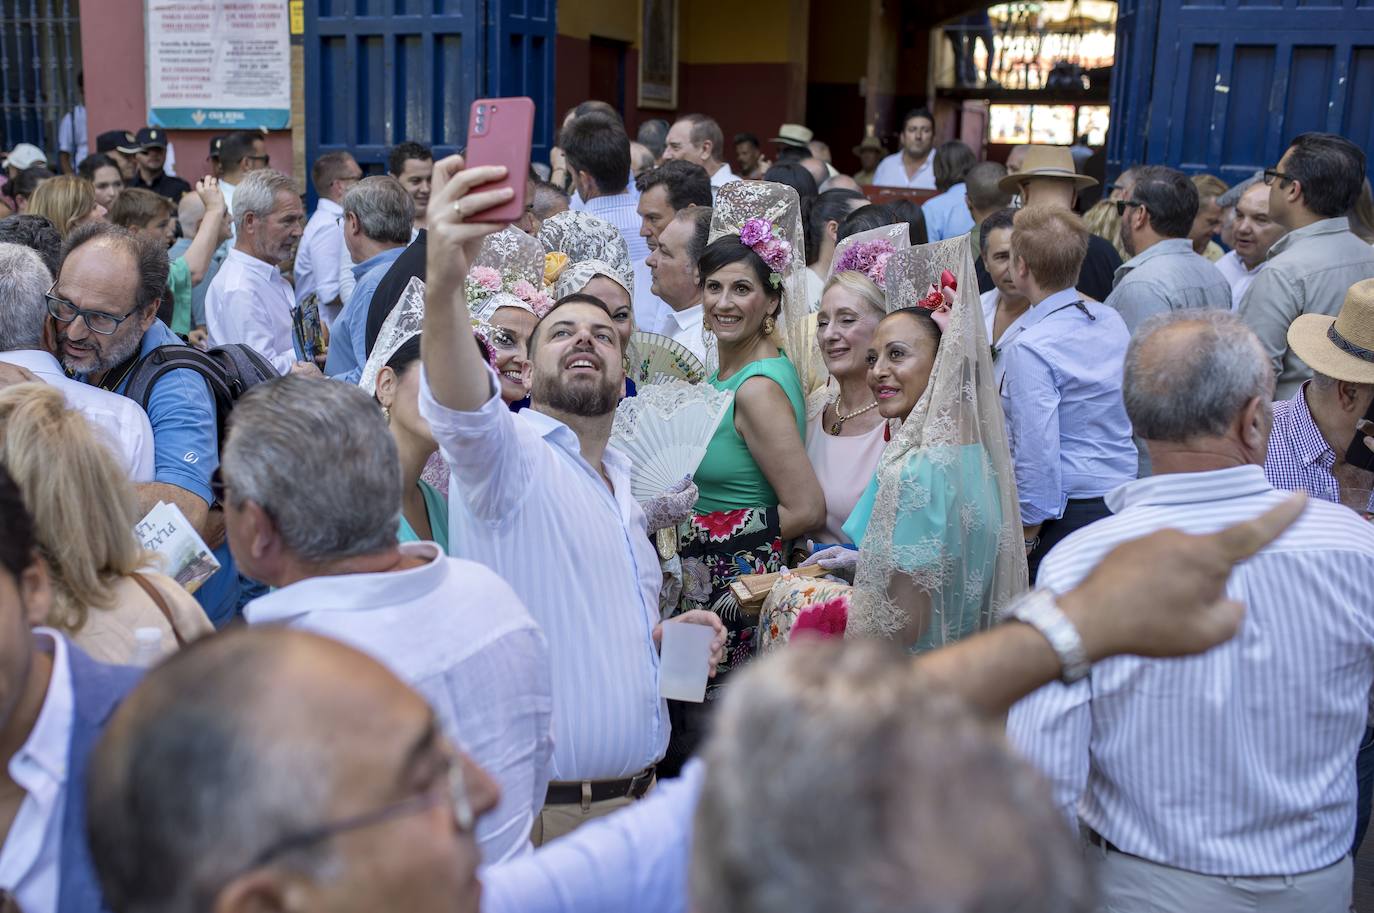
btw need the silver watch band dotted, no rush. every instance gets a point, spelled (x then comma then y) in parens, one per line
(1039, 610)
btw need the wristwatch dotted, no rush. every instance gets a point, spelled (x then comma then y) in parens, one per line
(1039, 610)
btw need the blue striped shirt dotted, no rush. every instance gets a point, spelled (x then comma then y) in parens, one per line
(524, 503)
(1238, 762)
(622, 211)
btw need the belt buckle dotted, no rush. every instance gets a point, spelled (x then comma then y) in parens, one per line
(639, 783)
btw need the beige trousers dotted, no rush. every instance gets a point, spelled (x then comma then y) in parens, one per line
(557, 820)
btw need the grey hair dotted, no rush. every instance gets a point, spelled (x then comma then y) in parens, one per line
(858, 785)
(24, 280)
(383, 208)
(257, 193)
(317, 456)
(1232, 196)
(1182, 392)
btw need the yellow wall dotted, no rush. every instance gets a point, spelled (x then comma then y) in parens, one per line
(735, 31)
(617, 19)
(838, 41)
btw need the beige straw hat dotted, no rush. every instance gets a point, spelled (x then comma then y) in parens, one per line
(1045, 162)
(1342, 346)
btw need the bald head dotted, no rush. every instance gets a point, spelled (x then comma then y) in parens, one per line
(223, 750)
(841, 182)
(1191, 374)
(817, 169)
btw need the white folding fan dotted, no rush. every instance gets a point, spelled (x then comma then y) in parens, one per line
(664, 430)
(654, 358)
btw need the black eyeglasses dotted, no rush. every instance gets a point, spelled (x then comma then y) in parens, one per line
(1273, 174)
(1121, 206)
(265, 159)
(63, 311)
(455, 792)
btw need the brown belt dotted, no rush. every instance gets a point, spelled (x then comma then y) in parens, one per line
(578, 792)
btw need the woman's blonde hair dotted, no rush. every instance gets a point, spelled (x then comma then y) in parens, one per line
(82, 503)
(1103, 221)
(860, 285)
(64, 201)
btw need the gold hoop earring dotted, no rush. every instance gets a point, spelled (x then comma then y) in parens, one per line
(769, 325)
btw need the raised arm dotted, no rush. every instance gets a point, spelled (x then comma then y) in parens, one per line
(203, 246)
(764, 418)
(457, 375)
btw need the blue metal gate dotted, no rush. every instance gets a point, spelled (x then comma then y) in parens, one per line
(378, 72)
(1223, 86)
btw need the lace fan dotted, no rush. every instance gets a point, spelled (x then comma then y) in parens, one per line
(664, 430)
(655, 358)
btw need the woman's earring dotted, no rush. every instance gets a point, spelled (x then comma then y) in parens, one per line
(769, 325)
(386, 414)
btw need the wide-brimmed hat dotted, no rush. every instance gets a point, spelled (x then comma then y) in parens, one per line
(25, 155)
(1342, 346)
(1045, 162)
(870, 142)
(794, 135)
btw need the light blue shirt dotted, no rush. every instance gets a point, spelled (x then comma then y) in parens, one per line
(186, 454)
(347, 340)
(947, 215)
(1059, 373)
(524, 502)
(621, 210)
(628, 862)
(1167, 277)
(1239, 761)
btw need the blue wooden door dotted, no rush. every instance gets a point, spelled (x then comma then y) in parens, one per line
(1235, 80)
(378, 72)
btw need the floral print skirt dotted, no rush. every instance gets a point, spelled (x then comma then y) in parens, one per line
(715, 549)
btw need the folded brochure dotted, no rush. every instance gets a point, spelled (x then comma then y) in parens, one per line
(184, 555)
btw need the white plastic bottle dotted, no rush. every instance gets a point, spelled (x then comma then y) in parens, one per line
(147, 647)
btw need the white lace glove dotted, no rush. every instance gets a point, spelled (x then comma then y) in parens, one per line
(672, 507)
(837, 559)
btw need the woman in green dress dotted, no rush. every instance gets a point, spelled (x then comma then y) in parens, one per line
(424, 511)
(757, 488)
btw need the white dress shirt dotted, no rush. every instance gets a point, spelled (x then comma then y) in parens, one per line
(71, 135)
(250, 302)
(317, 255)
(892, 173)
(628, 862)
(1236, 273)
(724, 175)
(461, 637)
(686, 327)
(121, 421)
(1240, 761)
(31, 858)
(523, 502)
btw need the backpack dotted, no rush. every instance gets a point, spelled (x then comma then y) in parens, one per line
(229, 370)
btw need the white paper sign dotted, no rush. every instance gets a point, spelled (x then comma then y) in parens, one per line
(218, 64)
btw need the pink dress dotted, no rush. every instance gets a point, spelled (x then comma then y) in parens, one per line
(844, 466)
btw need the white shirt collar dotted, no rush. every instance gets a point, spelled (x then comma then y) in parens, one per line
(688, 317)
(44, 754)
(723, 175)
(354, 592)
(329, 206)
(44, 364)
(252, 263)
(1190, 488)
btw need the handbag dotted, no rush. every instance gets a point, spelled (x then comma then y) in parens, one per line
(161, 604)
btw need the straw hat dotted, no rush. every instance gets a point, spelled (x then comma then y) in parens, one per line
(794, 135)
(1342, 346)
(1045, 162)
(870, 142)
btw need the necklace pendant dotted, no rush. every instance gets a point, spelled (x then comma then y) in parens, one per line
(836, 427)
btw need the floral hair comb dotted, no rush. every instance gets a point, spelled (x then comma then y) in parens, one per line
(867, 257)
(935, 299)
(485, 281)
(765, 239)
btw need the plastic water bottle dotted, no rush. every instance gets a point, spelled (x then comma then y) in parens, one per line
(147, 647)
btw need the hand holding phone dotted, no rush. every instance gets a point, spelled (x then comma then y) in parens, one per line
(500, 132)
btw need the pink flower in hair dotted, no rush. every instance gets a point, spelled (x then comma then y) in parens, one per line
(524, 290)
(775, 252)
(540, 303)
(487, 278)
(754, 231)
(868, 257)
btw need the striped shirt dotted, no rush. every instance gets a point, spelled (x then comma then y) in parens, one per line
(1299, 458)
(523, 502)
(1238, 762)
(622, 211)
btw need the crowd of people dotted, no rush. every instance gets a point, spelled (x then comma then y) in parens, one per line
(1043, 625)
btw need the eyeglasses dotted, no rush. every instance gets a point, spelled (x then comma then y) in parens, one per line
(265, 159)
(1121, 206)
(63, 311)
(1273, 174)
(455, 792)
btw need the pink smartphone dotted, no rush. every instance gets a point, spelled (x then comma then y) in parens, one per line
(500, 131)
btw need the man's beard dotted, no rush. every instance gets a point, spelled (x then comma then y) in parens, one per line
(585, 400)
(119, 352)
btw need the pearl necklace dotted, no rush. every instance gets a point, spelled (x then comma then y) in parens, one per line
(838, 425)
